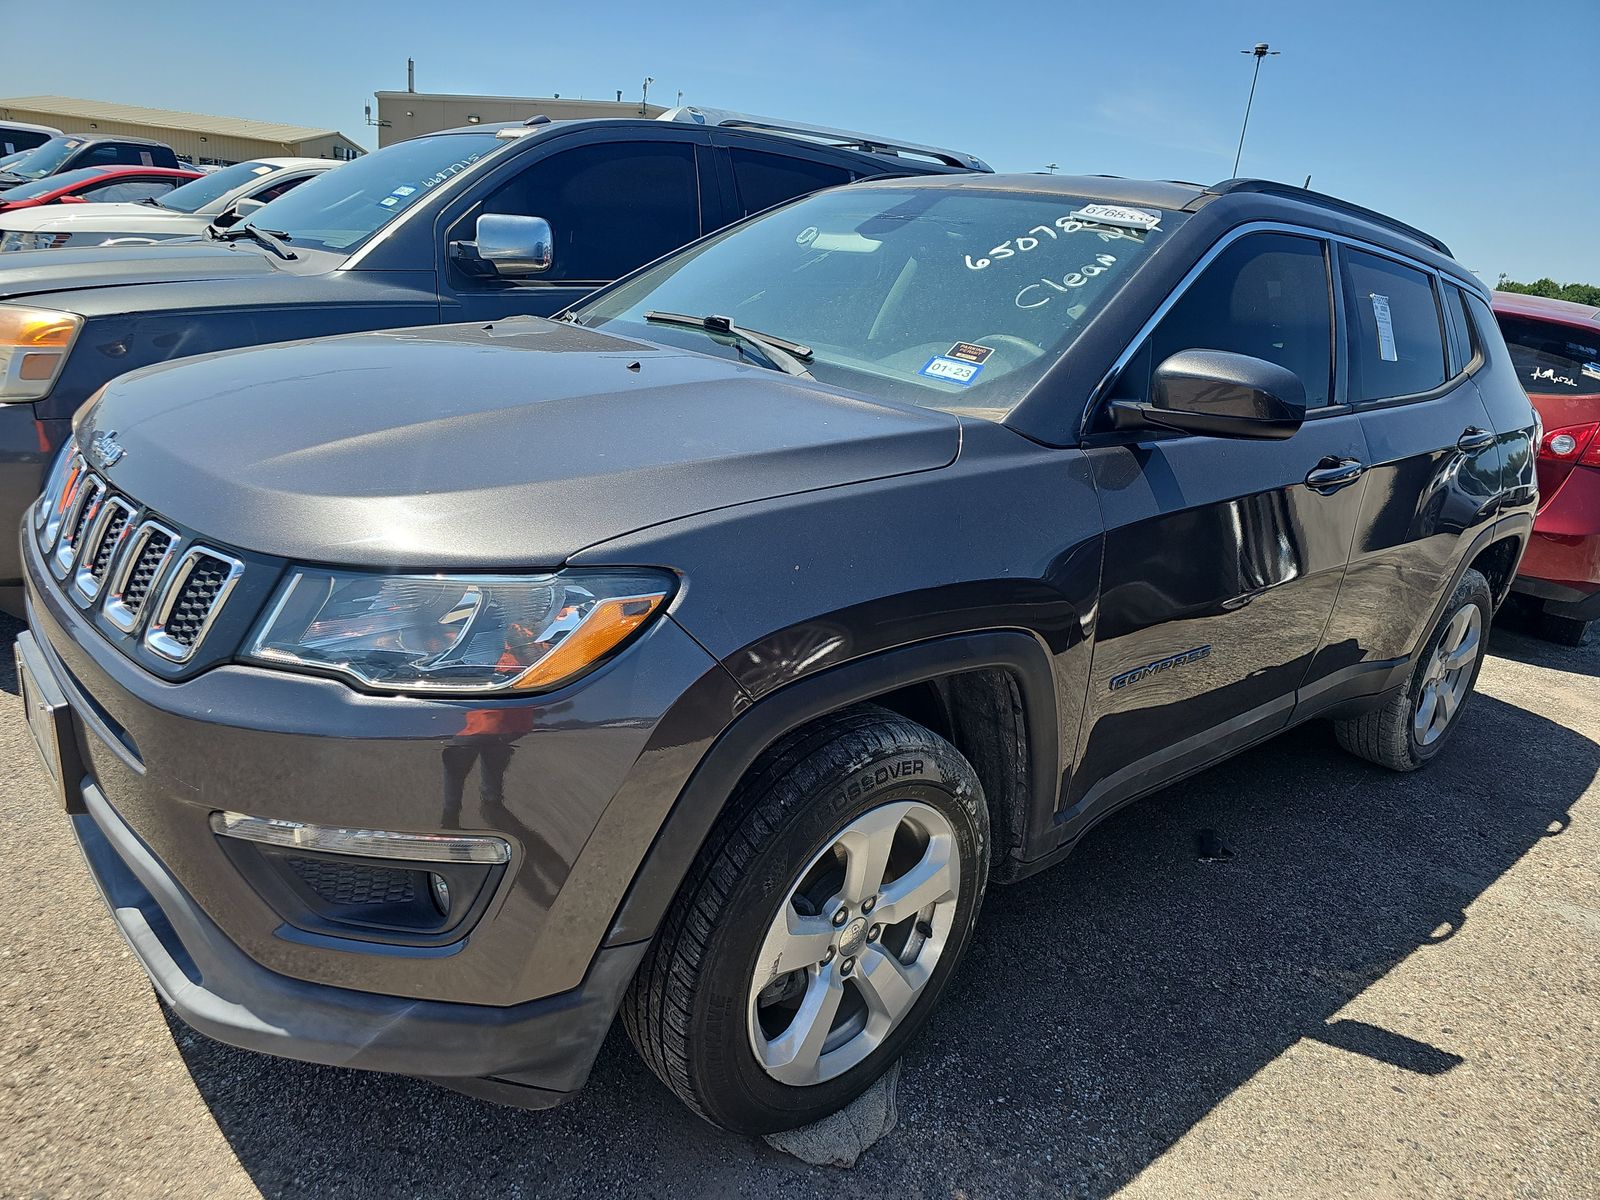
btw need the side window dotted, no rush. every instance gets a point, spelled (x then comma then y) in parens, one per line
(1266, 295)
(121, 190)
(1462, 347)
(1395, 340)
(100, 156)
(768, 179)
(273, 191)
(612, 206)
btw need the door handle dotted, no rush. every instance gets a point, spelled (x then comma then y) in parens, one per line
(1472, 438)
(1331, 474)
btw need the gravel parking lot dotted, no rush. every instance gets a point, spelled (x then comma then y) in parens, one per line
(1391, 987)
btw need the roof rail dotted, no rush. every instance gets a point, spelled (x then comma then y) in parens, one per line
(1271, 188)
(847, 139)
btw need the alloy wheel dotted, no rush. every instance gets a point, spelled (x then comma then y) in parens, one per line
(1448, 675)
(854, 943)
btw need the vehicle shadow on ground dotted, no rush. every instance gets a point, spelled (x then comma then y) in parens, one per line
(1516, 636)
(1106, 1006)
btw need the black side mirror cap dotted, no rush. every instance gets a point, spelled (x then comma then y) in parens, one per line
(1218, 393)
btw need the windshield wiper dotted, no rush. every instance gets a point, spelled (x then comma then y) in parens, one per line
(272, 239)
(780, 354)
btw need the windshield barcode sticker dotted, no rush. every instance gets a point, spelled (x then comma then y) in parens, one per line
(1380, 313)
(951, 370)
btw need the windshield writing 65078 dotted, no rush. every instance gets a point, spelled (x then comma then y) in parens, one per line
(1012, 247)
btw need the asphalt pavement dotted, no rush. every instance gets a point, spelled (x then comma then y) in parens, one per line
(1295, 974)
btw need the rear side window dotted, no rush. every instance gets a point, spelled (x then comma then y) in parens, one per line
(612, 206)
(1463, 344)
(1266, 295)
(1552, 359)
(768, 179)
(1396, 342)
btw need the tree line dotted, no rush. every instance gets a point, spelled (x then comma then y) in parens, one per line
(1578, 293)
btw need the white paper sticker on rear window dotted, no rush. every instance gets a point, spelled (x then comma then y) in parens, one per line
(1380, 313)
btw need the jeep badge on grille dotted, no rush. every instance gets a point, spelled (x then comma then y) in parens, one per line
(105, 450)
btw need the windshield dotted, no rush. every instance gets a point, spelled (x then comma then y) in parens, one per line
(197, 193)
(340, 209)
(1552, 359)
(53, 183)
(44, 158)
(951, 298)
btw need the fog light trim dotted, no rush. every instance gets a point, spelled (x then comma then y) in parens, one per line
(366, 843)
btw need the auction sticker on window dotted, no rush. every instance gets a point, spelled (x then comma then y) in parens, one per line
(1380, 313)
(951, 370)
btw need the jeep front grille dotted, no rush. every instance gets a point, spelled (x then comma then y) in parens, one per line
(148, 581)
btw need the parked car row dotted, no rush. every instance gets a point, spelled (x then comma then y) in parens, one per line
(425, 696)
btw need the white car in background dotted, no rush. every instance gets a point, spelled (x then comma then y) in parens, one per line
(219, 198)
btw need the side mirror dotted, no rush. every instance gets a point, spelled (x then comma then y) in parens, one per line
(72, 199)
(238, 211)
(509, 246)
(1219, 393)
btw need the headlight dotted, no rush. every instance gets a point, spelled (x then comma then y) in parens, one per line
(34, 344)
(443, 633)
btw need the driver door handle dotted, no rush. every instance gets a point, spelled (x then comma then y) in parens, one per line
(1472, 438)
(1333, 473)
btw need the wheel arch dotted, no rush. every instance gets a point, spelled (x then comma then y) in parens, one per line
(991, 694)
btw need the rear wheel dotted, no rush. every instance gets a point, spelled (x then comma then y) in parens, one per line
(1414, 725)
(818, 926)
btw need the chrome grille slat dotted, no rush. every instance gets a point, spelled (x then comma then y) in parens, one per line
(84, 507)
(103, 539)
(143, 560)
(189, 601)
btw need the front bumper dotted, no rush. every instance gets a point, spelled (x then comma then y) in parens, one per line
(516, 1007)
(535, 1054)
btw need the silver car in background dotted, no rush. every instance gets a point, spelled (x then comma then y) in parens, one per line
(219, 198)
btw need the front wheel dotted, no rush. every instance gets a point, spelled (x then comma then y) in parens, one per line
(1413, 726)
(819, 925)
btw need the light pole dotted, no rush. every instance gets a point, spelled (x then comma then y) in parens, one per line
(644, 98)
(1260, 50)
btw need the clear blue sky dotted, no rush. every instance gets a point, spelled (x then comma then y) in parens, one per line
(1478, 120)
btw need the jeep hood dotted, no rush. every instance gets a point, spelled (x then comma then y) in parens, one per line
(33, 273)
(507, 446)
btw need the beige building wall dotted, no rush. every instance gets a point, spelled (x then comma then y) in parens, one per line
(405, 115)
(211, 146)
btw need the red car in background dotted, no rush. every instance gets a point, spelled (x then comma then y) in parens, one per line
(99, 185)
(1556, 348)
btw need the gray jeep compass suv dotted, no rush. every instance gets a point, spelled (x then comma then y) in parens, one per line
(423, 698)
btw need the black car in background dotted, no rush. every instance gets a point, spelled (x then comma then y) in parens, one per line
(71, 151)
(422, 698)
(471, 224)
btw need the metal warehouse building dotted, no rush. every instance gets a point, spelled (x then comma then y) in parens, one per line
(403, 115)
(211, 141)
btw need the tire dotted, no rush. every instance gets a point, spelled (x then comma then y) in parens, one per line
(1389, 736)
(694, 1010)
(1568, 631)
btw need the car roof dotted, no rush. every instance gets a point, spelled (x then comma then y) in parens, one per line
(1175, 194)
(293, 162)
(114, 137)
(1546, 308)
(536, 125)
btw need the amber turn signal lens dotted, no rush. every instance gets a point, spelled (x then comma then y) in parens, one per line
(601, 632)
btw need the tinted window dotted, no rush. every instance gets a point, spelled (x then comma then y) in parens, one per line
(1392, 328)
(612, 206)
(1266, 295)
(273, 191)
(13, 140)
(1552, 359)
(1463, 346)
(768, 179)
(102, 156)
(123, 190)
(49, 184)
